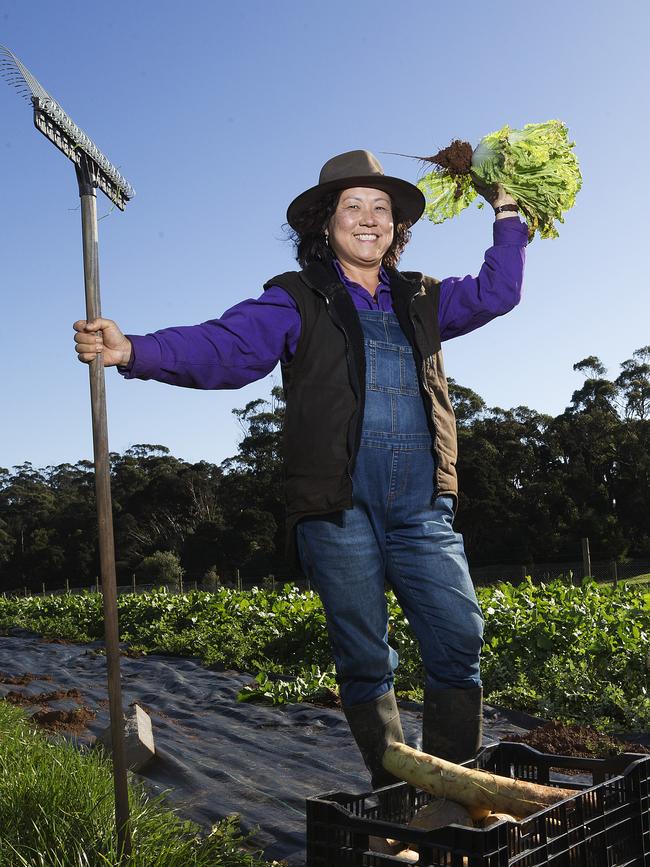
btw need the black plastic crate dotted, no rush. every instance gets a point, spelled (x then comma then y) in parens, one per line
(605, 824)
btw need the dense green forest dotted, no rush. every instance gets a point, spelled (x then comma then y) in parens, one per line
(531, 487)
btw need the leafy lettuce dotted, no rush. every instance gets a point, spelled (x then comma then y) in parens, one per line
(536, 165)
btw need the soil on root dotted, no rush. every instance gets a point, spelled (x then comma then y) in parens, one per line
(561, 739)
(456, 159)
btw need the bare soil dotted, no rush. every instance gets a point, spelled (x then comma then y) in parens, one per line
(560, 739)
(68, 721)
(72, 721)
(21, 698)
(22, 679)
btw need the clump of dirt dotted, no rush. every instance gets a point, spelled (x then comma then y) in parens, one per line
(68, 721)
(22, 679)
(560, 739)
(21, 698)
(456, 159)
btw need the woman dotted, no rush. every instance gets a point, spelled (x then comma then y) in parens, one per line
(370, 440)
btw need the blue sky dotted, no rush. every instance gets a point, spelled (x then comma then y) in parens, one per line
(219, 114)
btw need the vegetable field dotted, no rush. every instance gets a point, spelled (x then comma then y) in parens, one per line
(577, 654)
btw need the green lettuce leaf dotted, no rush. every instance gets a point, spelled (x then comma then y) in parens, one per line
(441, 192)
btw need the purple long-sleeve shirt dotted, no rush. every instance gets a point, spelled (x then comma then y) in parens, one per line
(250, 338)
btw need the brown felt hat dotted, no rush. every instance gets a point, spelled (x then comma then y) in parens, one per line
(359, 169)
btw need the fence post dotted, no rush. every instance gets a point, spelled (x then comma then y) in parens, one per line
(196, 585)
(523, 572)
(586, 559)
(133, 582)
(615, 572)
(96, 583)
(43, 585)
(67, 585)
(238, 579)
(180, 583)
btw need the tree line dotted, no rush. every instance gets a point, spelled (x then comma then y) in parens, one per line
(531, 486)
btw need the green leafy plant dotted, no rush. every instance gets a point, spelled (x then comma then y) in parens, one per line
(574, 653)
(536, 165)
(315, 686)
(566, 652)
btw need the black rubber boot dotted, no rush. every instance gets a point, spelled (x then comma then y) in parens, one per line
(375, 725)
(452, 723)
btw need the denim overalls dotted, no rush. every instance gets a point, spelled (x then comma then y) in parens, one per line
(396, 532)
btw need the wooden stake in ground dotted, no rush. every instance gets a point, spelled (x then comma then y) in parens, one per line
(93, 170)
(470, 787)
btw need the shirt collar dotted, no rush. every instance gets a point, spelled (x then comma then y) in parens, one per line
(384, 281)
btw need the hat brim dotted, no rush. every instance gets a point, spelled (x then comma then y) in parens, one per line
(405, 196)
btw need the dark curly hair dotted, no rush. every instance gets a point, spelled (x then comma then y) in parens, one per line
(311, 245)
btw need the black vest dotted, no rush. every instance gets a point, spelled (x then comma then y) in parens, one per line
(324, 386)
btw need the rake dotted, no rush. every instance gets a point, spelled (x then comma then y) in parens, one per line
(93, 170)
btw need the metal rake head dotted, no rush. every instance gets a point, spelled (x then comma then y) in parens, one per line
(54, 123)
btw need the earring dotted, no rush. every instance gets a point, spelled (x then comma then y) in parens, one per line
(327, 237)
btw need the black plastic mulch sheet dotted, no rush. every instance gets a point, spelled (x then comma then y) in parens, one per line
(215, 755)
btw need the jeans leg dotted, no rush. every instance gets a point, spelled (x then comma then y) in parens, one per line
(344, 557)
(345, 563)
(427, 568)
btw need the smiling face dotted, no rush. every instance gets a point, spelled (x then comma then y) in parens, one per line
(361, 227)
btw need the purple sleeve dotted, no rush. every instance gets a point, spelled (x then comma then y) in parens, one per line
(466, 303)
(241, 346)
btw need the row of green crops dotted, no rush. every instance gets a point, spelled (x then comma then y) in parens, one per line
(558, 651)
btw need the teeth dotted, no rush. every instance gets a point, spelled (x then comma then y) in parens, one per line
(367, 237)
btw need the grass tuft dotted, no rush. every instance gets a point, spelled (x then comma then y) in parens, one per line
(57, 810)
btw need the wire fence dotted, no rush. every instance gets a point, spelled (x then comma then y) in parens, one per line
(603, 571)
(243, 583)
